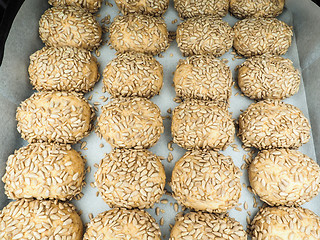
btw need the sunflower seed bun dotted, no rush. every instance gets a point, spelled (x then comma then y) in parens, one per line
(203, 77)
(133, 74)
(208, 226)
(90, 5)
(258, 8)
(284, 177)
(63, 69)
(206, 181)
(202, 125)
(44, 171)
(56, 30)
(150, 7)
(58, 117)
(35, 219)
(204, 35)
(194, 8)
(130, 123)
(139, 33)
(268, 77)
(256, 36)
(273, 124)
(130, 178)
(120, 223)
(285, 223)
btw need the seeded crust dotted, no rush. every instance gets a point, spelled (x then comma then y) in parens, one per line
(131, 123)
(202, 125)
(130, 179)
(150, 7)
(204, 35)
(256, 36)
(63, 69)
(258, 8)
(284, 177)
(58, 117)
(35, 219)
(139, 33)
(285, 223)
(199, 225)
(44, 171)
(203, 77)
(90, 5)
(206, 181)
(69, 26)
(268, 77)
(120, 223)
(194, 8)
(273, 124)
(133, 74)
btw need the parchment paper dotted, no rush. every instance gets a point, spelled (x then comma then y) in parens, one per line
(15, 87)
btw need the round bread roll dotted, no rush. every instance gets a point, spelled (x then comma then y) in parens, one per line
(194, 8)
(256, 36)
(130, 179)
(58, 117)
(35, 219)
(69, 26)
(63, 69)
(90, 5)
(204, 35)
(203, 77)
(258, 8)
(206, 181)
(284, 177)
(150, 7)
(202, 125)
(44, 171)
(131, 123)
(139, 33)
(133, 74)
(199, 225)
(273, 124)
(268, 77)
(120, 223)
(285, 223)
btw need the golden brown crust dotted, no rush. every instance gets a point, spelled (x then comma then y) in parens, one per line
(120, 223)
(284, 177)
(257, 36)
(130, 179)
(63, 69)
(258, 8)
(35, 219)
(79, 28)
(150, 7)
(202, 125)
(90, 5)
(59, 117)
(44, 171)
(273, 124)
(206, 181)
(204, 35)
(133, 75)
(139, 33)
(131, 123)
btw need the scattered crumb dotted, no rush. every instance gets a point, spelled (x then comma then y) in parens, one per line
(161, 221)
(164, 201)
(170, 157)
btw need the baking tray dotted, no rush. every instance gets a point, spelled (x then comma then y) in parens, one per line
(23, 40)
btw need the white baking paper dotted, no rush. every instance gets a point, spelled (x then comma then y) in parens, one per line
(15, 87)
